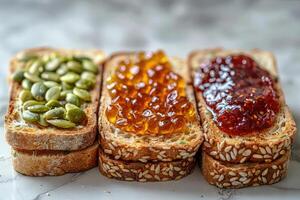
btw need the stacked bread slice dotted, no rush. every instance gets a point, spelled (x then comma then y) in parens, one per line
(132, 157)
(250, 160)
(40, 151)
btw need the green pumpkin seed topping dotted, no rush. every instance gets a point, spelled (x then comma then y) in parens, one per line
(30, 116)
(38, 108)
(53, 93)
(53, 103)
(56, 113)
(26, 84)
(61, 123)
(18, 76)
(38, 91)
(25, 95)
(82, 94)
(75, 115)
(54, 88)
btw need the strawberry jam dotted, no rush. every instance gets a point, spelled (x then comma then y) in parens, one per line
(240, 94)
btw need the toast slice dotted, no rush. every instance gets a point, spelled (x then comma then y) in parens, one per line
(144, 172)
(129, 146)
(264, 146)
(54, 163)
(229, 175)
(22, 135)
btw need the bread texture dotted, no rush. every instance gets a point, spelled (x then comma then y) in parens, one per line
(54, 163)
(144, 148)
(144, 172)
(264, 146)
(228, 175)
(22, 135)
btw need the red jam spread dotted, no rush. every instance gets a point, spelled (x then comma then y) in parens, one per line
(240, 94)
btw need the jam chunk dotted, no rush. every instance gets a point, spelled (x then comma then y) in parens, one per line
(147, 97)
(241, 96)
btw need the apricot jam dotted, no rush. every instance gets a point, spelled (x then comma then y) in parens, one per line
(241, 95)
(148, 97)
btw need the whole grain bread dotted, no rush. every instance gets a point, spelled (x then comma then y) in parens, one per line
(54, 163)
(263, 146)
(129, 146)
(144, 172)
(229, 175)
(22, 135)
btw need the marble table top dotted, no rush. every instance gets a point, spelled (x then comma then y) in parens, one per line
(173, 25)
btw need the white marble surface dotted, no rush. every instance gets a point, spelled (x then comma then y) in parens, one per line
(175, 26)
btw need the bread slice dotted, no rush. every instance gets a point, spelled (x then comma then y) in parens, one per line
(229, 175)
(129, 146)
(263, 146)
(54, 163)
(22, 135)
(144, 172)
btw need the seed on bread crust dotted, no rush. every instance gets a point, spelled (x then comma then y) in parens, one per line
(226, 175)
(143, 172)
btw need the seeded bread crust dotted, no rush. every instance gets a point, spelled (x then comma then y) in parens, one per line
(228, 175)
(54, 163)
(22, 135)
(129, 146)
(264, 146)
(144, 172)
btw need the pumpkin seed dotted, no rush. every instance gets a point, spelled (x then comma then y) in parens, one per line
(76, 115)
(46, 58)
(61, 123)
(67, 86)
(50, 76)
(64, 93)
(30, 116)
(88, 76)
(42, 121)
(69, 106)
(26, 84)
(32, 103)
(35, 67)
(53, 64)
(38, 108)
(38, 91)
(65, 59)
(70, 77)
(25, 95)
(55, 113)
(73, 99)
(84, 84)
(81, 58)
(54, 55)
(62, 70)
(75, 66)
(27, 64)
(50, 84)
(18, 75)
(32, 77)
(25, 56)
(53, 93)
(53, 103)
(89, 66)
(56, 74)
(82, 94)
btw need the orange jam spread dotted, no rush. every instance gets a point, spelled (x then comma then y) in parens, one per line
(148, 97)
(241, 95)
